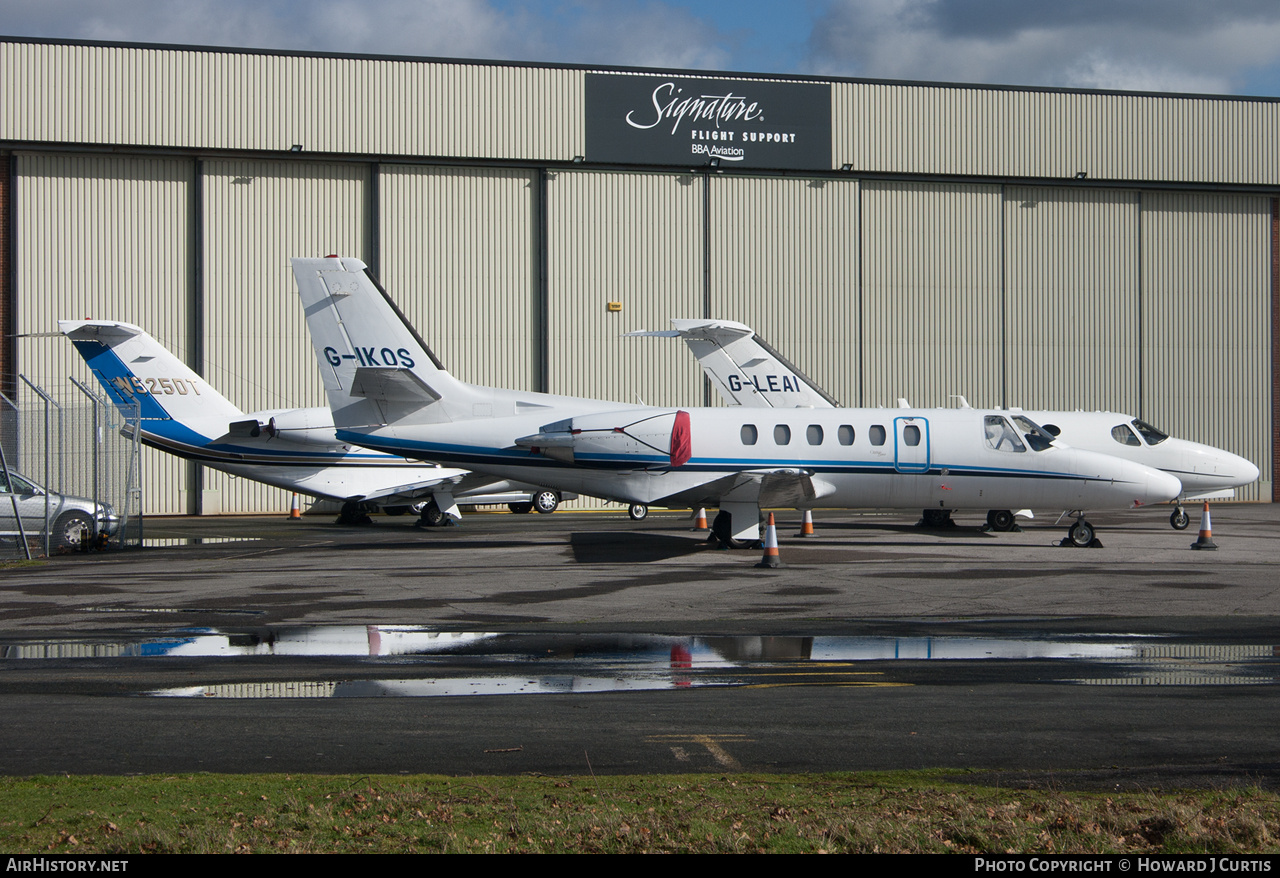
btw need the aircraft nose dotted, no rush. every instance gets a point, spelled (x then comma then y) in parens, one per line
(1248, 472)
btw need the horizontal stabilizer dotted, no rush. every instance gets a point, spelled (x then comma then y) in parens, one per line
(103, 330)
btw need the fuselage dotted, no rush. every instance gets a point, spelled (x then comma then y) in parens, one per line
(941, 458)
(1202, 469)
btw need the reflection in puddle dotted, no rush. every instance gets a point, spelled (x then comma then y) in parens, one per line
(423, 661)
(168, 542)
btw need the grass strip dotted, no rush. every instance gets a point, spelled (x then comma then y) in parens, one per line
(920, 812)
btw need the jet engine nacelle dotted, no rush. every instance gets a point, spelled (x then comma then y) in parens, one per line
(313, 426)
(661, 439)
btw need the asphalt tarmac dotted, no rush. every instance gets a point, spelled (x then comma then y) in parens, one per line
(581, 642)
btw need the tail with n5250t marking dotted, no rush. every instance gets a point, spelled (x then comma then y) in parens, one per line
(140, 374)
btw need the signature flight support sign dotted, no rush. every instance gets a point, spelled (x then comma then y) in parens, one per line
(679, 120)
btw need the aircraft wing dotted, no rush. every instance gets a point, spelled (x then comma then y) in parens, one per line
(788, 488)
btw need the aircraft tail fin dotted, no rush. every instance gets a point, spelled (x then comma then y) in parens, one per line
(135, 369)
(377, 369)
(744, 368)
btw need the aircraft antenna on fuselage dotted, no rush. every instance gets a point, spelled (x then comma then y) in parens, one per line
(794, 371)
(407, 325)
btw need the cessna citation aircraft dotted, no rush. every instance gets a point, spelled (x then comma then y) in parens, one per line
(748, 372)
(294, 449)
(389, 392)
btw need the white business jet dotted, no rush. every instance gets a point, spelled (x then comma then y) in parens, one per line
(294, 449)
(748, 372)
(389, 393)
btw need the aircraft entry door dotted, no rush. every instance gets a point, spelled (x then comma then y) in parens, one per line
(911, 445)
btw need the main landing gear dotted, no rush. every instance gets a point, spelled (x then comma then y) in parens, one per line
(432, 516)
(722, 531)
(354, 513)
(936, 518)
(1001, 520)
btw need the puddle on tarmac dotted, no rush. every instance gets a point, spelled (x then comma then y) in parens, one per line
(420, 661)
(168, 542)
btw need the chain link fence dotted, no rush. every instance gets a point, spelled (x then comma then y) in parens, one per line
(69, 473)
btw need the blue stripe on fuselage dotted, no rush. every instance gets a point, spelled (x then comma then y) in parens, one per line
(472, 455)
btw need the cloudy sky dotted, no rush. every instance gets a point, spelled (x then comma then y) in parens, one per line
(1211, 46)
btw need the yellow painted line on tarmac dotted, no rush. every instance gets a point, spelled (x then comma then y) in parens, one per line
(710, 742)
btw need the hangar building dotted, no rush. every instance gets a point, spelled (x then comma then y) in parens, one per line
(1044, 248)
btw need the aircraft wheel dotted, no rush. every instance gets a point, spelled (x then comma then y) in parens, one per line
(432, 516)
(1000, 519)
(722, 530)
(353, 513)
(546, 502)
(69, 531)
(1080, 533)
(1179, 519)
(637, 512)
(938, 518)
(520, 508)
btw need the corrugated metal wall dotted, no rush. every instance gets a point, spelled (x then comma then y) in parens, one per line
(257, 214)
(197, 99)
(1206, 358)
(635, 239)
(1072, 286)
(106, 238)
(931, 293)
(459, 254)
(194, 98)
(946, 129)
(784, 260)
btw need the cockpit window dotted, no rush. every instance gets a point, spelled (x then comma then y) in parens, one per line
(1036, 437)
(1150, 433)
(1124, 436)
(1000, 434)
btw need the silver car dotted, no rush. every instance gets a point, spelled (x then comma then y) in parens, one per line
(70, 517)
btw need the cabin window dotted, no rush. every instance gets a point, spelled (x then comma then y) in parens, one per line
(750, 435)
(814, 434)
(1000, 434)
(911, 435)
(845, 434)
(877, 434)
(1150, 433)
(782, 435)
(1124, 435)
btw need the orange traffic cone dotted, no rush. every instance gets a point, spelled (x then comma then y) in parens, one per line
(770, 558)
(1205, 541)
(700, 520)
(806, 526)
(294, 511)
